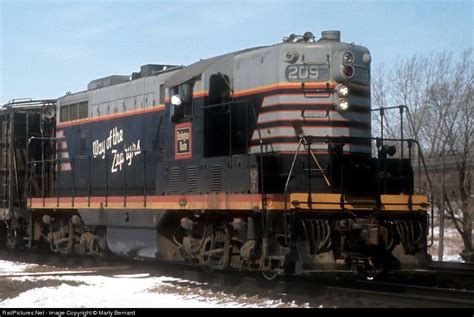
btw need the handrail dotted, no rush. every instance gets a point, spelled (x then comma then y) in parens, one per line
(379, 143)
(20, 103)
(73, 160)
(285, 191)
(420, 152)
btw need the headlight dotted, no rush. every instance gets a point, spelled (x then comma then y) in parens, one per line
(342, 90)
(176, 100)
(348, 58)
(343, 104)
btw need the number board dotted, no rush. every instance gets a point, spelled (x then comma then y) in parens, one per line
(307, 72)
(183, 141)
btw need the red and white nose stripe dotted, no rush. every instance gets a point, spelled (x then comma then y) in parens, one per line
(62, 153)
(279, 111)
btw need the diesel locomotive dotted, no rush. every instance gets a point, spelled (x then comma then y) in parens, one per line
(257, 160)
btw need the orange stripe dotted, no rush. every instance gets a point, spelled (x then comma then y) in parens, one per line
(198, 94)
(283, 85)
(244, 202)
(205, 93)
(261, 89)
(186, 202)
(112, 116)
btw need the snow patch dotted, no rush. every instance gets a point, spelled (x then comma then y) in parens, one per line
(449, 258)
(127, 291)
(12, 267)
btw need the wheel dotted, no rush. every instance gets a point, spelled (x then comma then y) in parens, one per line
(14, 240)
(67, 247)
(270, 275)
(369, 271)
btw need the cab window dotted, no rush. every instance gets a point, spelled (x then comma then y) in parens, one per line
(184, 110)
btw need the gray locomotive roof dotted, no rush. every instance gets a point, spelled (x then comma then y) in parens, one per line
(198, 68)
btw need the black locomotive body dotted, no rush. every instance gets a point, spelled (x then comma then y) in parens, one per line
(260, 159)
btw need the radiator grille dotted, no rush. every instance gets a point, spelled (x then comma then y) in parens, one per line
(192, 179)
(162, 142)
(174, 179)
(216, 178)
(82, 160)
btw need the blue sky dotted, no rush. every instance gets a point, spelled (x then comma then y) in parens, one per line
(51, 47)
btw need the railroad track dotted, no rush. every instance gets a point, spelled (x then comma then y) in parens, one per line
(314, 292)
(458, 268)
(454, 275)
(446, 275)
(342, 293)
(420, 296)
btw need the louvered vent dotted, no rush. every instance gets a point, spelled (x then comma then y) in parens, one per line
(82, 160)
(174, 179)
(163, 133)
(216, 178)
(192, 179)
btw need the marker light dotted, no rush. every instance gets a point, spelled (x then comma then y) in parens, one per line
(348, 71)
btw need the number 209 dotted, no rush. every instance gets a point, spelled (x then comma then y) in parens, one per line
(302, 72)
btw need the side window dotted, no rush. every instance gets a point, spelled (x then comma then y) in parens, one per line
(219, 90)
(83, 110)
(184, 110)
(225, 123)
(73, 115)
(217, 117)
(64, 113)
(74, 111)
